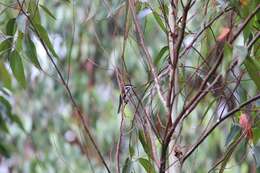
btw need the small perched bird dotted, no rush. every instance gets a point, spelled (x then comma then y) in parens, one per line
(125, 96)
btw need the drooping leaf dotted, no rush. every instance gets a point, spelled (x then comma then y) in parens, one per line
(6, 104)
(131, 151)
(146, 145)
(16, 65)
(253, 68)
(11, 27)
(30, 51)
(160, 54)
(47, 11)
(19, 42)
(5, 77)
(127, 166)
(147, 165)
(6, 45)
(234, 131)
(3, 125)
(4, 150)
(256, 134)
(44, 36)
(15, 119)
(34, 12)
(159, 21)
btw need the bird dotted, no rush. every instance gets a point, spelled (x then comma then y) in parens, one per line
(125, 95)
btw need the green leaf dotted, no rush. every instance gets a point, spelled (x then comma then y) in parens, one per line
(127, 166)
(47, 11)
(160, 54)
(44, 36)
(6, 104)
(5, 77)
(256, 134)
(256, 154)
(6, 45)
(15, 119)
(131, 151)
(34, 12)
(234, 131)
(11, 27)
(19, 42)
(4, 150)
(253, 68)
(30, 51)
(147, 148)
(3, 125)
(159, 21)
(17, 68)
(147, 165)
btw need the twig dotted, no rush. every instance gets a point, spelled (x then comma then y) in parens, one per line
(229, 114)
(147, 54)
(245, 23)
(68, 91)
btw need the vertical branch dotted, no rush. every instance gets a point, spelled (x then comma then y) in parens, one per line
(147, 54)
(175, 40)
(172, 103)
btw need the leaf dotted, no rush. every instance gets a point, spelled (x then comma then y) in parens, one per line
(4, 150)
(131, 151)
(127, 166)
(159, 21)
(17, 68)
(223, 34)
(147, 148)
(47, 11)
(246, 125)
(15, 119)
(253, 68)
(147, 165)
(34, 12)
(30, 51)
(6, 45)
(3, 125)
(256, 134)
(5, 76)
(234, 131)
(240, 53)
(256, 154)
(19, 42)
(6, 104)
(11, 27)
(44, 36)
(160, 54)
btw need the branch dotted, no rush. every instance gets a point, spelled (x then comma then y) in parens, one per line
(229, 114)
(245, 23)
(147, 54)
(67, 89)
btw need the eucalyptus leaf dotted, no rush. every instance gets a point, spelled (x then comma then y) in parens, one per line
(16, 65)
(147, 165)
(44, 36)
(47, 11)
(30, 51)
(253, 68)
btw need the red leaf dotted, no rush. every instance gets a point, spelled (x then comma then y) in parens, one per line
(246, 125)
(223, 34)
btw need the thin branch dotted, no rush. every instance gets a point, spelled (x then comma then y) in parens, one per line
(245, 23)
(147, 54)
(229, 114)
(83, 120)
